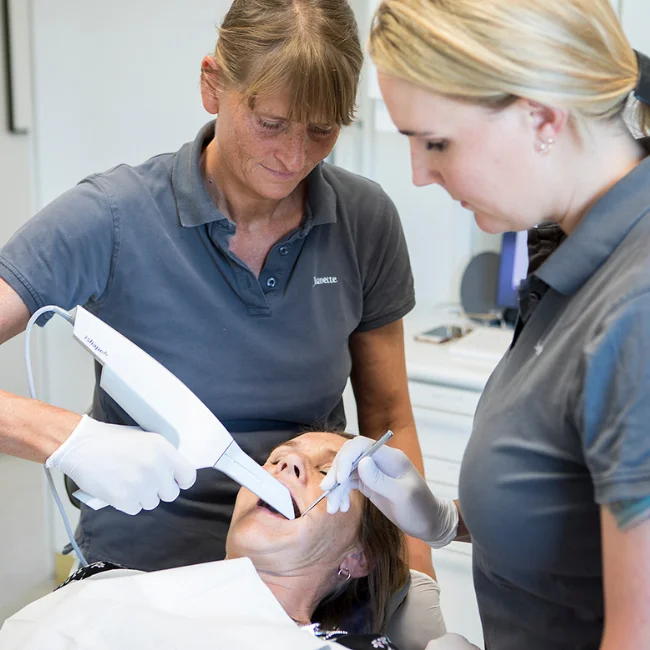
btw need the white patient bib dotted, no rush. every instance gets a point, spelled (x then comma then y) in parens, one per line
(205, 606)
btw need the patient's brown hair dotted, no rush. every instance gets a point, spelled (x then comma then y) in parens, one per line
(309, 48)
(384, 545)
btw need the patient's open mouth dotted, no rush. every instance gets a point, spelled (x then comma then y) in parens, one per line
(263, 504)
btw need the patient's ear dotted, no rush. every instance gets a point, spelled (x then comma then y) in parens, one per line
(356, 563)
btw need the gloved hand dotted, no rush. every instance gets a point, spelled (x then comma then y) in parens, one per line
(394, 485)
(128, 468)
(451, 642)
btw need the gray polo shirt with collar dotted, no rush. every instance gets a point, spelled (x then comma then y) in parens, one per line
(145, 249)
(563, 427)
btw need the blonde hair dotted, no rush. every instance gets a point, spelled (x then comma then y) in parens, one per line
(570, 54)
(308, 48)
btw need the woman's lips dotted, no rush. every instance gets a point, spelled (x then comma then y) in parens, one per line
(278, 174)
(263, 504)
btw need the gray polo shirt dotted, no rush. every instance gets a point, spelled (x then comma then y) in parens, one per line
(145, 249)
(563, 427)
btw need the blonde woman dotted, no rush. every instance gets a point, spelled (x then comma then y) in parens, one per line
(515, 107)
(258, 274)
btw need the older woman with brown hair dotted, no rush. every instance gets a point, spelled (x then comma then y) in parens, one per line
(258, 274)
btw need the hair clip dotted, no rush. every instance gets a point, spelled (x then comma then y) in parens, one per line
(642, 90)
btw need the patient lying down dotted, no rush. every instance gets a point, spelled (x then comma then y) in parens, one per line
(321, 566)
(336, 575)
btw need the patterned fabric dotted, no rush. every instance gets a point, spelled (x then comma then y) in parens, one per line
(353, 641)
(90, 570)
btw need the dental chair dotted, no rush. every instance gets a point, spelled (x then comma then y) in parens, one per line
(414, 614)
(417, 617)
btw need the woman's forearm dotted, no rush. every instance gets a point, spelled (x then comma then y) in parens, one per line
(28, 429)
(31, 429)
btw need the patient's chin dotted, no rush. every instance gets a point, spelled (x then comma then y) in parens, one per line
(261, 524)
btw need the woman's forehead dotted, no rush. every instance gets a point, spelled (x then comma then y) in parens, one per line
(319, 443)
(282, 104)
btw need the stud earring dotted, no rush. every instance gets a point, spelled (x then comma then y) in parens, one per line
(545, 147)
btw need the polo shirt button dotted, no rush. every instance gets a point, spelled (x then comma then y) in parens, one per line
(271, 282)
(284, 250)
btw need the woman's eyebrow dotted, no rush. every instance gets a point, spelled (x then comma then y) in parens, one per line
(418, 134)
(271, 116)
(328, 453)
(288, 443)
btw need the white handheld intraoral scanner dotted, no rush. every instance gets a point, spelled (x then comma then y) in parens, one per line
(159, 402)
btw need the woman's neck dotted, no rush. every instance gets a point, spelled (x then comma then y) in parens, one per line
(299, 594)
(606, 155)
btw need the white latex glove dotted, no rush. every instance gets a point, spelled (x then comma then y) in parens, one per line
(128, 468)
(451, 642)
(394, 485)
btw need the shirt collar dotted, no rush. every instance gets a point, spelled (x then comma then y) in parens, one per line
(321, 197)
(195, 207)
(600, 231)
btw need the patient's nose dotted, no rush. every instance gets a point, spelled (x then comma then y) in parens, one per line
(293, 465)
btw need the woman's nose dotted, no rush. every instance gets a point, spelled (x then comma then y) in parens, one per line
(292, 465)
(293, 152)
(422, 171)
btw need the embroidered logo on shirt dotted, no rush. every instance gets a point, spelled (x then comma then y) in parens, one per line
(539, 348)
(325, 280)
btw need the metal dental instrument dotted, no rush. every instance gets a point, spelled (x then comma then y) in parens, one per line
(158, 401)
(379, 443)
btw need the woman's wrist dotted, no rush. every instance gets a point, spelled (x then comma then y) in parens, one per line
(447, 520)
(31, 429)
(462, 532)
